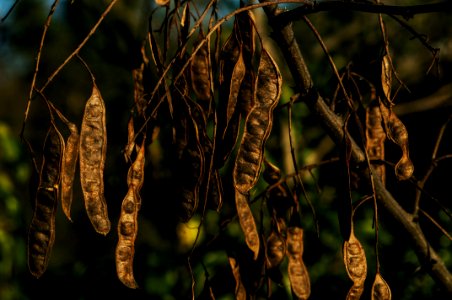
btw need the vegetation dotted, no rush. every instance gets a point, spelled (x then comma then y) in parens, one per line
(225, 149)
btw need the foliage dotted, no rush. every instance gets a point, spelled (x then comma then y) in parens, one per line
(231, 120)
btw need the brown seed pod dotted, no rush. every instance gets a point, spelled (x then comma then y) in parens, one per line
(247, 223)
(380, 289)
(386, 77)
(240, 291)
(296, 269)
(200, 72)
(41, 234)
(271, 173)
(276, 250)
(238, 73)
(375, 138)
(135, 176)
(92, 153)
(69, 163)
(398, 134)
(258, 125)
(127, 232)
(355, 264)
(130, 139)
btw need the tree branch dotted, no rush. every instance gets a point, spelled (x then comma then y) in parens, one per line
(407, 11)
(285, 38)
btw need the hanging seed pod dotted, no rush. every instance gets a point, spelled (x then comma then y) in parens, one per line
(386, 77)
(130, 139)
(200, 72)
(375, 139)
(380, 289)
(128, 224)
(271, 174)
(41, 234)
(127, 232)
(247, 223)
(355, 265)
(276, 250)
(296, 269)
(240, 291)
(69, 163)
(398, 134)
(92, 153)
(258, 125)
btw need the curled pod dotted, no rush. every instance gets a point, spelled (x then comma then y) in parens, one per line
(240, 291)
(258, 125)
(130, 139)
(355, 260)
(398, 134)
(375, 138)
(271, 173)
(296, 269)
(69, 163)
(41, 234)
(380, 289)
(127, 232)
(247, 223)
(276, 250)
(92, 155)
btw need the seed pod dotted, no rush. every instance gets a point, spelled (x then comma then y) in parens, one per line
(240, 291)
(375, 138)
(130, 139)
(41, 235)
(93, 147)
(69, 163)
(200, 72)
(355, 264)
(271, 174)
(247, 223)
(380, 289)
(127, 232)
(296, 269)
(135, 175)
(258, 125)
(386, 77)
(276, 250)
(398, 134)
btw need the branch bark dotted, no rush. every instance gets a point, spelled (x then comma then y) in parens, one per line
(290, 48)
(406, 11)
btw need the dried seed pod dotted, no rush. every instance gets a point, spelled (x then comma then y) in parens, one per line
(296, 269)
(355, 292)
(41, 235)
(240, 291)
(247, 222)
(386, 77)
(69, 163)
(375, 138)
(130, 139)
(276, 250)
(398, 134)
(238, 73)
(200, 72)
(92, 153)
(135, 175)
(127, 232)
(380, 289)
(355, 264)
(271, 174)
(258, 125)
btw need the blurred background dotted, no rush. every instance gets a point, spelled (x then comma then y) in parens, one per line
(82, 262)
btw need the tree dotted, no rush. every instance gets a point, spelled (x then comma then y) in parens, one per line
(215, 159)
